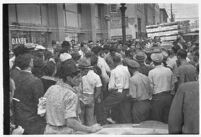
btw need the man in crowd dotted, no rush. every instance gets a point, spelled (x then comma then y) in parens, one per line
(140, 91)
(105, 70)
(62, 103)
(28, 90)
(162, 83)
(184, 111)
(118, 91)
(140, 57)
(91, 90)
(185, 71)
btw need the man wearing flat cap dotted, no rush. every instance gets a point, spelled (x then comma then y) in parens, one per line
(140, 92)
(140, 57)
(162, 83)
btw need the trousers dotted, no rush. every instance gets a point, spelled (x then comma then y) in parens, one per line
(117, 99)
(161, 104)
(141, 110)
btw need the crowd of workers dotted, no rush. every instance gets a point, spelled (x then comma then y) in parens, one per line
(82, 86)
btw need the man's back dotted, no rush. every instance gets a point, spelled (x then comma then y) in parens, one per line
(28, 90)
(186, 73)
(184, 112)
(161, 79)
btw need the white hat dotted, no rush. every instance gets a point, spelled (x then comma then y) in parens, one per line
(65, 56)
(38, 47)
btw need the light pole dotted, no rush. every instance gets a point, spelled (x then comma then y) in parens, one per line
(123, 9)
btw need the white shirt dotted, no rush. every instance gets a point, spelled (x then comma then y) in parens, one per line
(90, 82)
(161, 79)
(119, 78)
(11, 62)
(171, 62)
(104, 68)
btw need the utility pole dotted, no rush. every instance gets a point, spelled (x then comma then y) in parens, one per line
(172, 17)
(123, 9)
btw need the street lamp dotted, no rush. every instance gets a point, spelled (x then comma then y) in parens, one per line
(123, 9)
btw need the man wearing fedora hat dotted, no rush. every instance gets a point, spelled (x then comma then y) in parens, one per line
(91, 90)
(140, 57)
(162, 83)
(140, 92)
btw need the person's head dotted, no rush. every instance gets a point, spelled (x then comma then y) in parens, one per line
(181, 54)
(116, 59)
(24, 61)
(75, 56)
(133, 65)
(157, 58)
(21, 49)
(38, 65)
(48, 55)
(84, 65)
(66, 47)
(69, 73)
(96, 50)
(94, 60)
(140, 57)
(49, 69)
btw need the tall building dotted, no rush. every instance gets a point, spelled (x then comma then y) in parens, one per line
(137, 17)
(152, 14)
(47, 23)
(163, 15)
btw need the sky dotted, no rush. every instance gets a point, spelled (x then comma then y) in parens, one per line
(182, 11)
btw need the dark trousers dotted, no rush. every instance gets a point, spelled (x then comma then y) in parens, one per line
(161, 104)
(141, 110)
(116, 99)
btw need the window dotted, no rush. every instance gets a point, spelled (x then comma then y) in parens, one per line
(113, 8)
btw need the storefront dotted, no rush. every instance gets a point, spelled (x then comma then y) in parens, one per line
(21, 37)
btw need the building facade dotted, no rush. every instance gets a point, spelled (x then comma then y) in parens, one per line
(163, 15)
(45, 23)
(137, 17)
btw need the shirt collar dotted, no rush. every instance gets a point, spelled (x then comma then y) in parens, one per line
(158, 66)
(27, 71)
(65, 85)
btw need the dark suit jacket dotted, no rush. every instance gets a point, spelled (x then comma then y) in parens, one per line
(28, 90)
(184, 112)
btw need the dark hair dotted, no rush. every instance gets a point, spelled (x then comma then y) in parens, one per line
(48, 55)
(38, 65)
(182, 53)
(157, 63)
(116, 59)
(67, 68)
(19, 50)
(23, 61)
(94, 60)
(49, 68)
(96, 50)
(65, 44)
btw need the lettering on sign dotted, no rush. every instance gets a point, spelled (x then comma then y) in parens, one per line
(18, 41)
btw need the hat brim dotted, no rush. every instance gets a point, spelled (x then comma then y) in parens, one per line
(134, 57)
(85, 67)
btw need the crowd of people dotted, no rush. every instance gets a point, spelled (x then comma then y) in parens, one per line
(78, 87)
